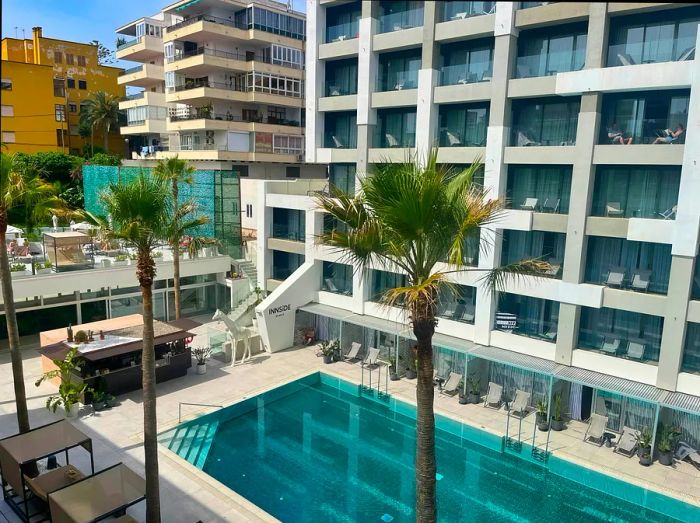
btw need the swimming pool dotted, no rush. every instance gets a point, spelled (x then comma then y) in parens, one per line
(318, 450)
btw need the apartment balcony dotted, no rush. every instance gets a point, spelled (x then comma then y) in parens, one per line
(142, 98)
(536, 14)
(203, 61)
(391, 21)
(200, 92)
(146, 75)
(337, 278)
(654, 154)
(148, 126)
(528, 317)
(201, 120)
(204, 28)
(227, 146)
(141, 49)
(537, 198)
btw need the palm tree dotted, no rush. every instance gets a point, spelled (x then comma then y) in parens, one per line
(102, 111)
(415, 217)
(20, 186)
(175, 171)
(140, 214)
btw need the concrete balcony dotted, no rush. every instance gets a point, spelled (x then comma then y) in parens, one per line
(474, 26)
(473, 92)
(337, 103)
(150, 126)
(143, 98)
(336, 50)
(217, 123)
(393, 154)
(281, 244)
(635, 229)
(329, 155)
(554, 12)
(141, 49)
(146, 75)
(531, 87)
(398, 98)
(639, 154)
(562, 154)
(460, 155)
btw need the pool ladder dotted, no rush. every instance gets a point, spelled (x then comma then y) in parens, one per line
(539, 452)
(375, 387)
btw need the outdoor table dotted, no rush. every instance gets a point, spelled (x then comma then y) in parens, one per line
(53, 480)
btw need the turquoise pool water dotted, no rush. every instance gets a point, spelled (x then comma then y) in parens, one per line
(318, 450)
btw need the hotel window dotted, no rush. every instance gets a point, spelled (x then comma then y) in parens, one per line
(546, 52)
(81, 61)
(73, 108)
(293, 172)
(545, 121)
(8, 136)
(71, 83)
(82, 84)
(6, 84)
(61, 137)
(60, 112)
(8, 110)
(58, 57)
(70, 59)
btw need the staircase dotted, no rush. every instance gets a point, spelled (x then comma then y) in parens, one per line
(192, 441)
(249, 270)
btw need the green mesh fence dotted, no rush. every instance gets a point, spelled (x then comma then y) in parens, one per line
(217, 194)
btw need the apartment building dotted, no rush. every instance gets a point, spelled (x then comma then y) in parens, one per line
(586, 118)
(45, 81)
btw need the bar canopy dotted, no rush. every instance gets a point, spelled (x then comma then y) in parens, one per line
(96, 496)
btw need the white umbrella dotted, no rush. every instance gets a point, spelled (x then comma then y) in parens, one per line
(11, 229)
(82, 226)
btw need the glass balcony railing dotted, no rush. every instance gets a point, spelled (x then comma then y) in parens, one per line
(135, 96)
(333, 140)
(339, 88)
(465, 74)
(340, 32)
(528, 5)
(284, 231)
(132, 70)
(539, 188)
(660, 130)
(691, 352)
(205, 114)
(337, 278)
(459, 9)
(399, 81)
(458, 306)
(526, 316)
(393, 140)
(621, 334)
(401, 20)
(662, 50)
(523, 245)
(124, 44)
(285, 263)
(550, 64)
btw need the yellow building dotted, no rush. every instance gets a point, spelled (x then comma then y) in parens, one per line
(44, 82)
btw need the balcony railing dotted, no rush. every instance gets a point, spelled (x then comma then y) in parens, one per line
(399, 81)
(124, 45)
(523, 135)
(654, 52)
(338, 89)
(339, 141)
(402, 20)
(549, 64)
(135, 96)
(196, 84)
(205, 18)
(644, 131)
(136, 123)
(228, 117)
(340, 32)
(132, 70)
(246, 56)
(459, 10)
(394, 140)
(284, 232)
(463, 74)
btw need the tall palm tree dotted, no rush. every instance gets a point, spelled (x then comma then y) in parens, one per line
(102, 111)
(140, 213)
(20, 185)
(414, 217)
(175, 171)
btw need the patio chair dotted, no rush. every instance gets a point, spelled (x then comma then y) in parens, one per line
(450, 388)
(686, 54)
(468, 313)
(530, 204)
(627, 444)
(553, 270)
(635, 350)
(524, 141)
(331, 286)
(493, 396)
(391, 140)
(336, 142)
(550, 335)
(520, 403)
(551, 205)
(640, 280)
(372, 357)
(452, 139)
(459, 16)
(666, 215)
(353, 354)
(596, 430)
(615, 277)
(614, 209)
(625, 59)
(610, 345)
(685, 451)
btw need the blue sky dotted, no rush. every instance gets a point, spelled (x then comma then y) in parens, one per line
(80, 20)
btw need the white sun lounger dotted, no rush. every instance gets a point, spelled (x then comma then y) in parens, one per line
(596, 429)
(627, 444)
(520, 402)
(372, 356)
(493, 397)
(354, 352)
(685, 451)
(450, 386)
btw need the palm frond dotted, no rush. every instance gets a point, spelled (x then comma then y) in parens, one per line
(496, 279)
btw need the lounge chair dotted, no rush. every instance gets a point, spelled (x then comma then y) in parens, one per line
(493, 397)
(530, 204)
(616, 276)
(459, 16)
(553, 270)
(467, 314)
(372, 357)
(452, 139)
(614, 209)
(610, 345)
(685, 451)
(635, 350)
(391, 140)
(353, 354)
(519, 403)
(686, 54)
(336, 142)
(625, 59)
(550, 335)
(331, 286)
(551, 205)
(450, 388)
(627, 444)
(640, 280)
(596, 429)
(524, 141)
(666, 215)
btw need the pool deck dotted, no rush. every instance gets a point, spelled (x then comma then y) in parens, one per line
(188, 495)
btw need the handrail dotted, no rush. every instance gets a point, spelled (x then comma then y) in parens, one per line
(179, 408)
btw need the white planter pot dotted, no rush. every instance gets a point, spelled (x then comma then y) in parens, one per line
(73, 412)
(16, 275)
(43, 271)
(201, 369)
(121, 263)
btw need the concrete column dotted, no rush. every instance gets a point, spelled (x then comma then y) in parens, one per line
(264, 255)
(426, 111)
(315, 74)
(495, 172)
(367, 64)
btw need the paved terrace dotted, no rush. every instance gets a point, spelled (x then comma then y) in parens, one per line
(187, 495)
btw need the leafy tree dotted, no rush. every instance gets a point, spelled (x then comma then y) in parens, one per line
(104, 54)
(53, 166)
(101, 111)
(415, 217)
(105, 159)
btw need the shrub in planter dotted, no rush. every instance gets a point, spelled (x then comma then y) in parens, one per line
(43, 267)
(473, 389)
(69, 392)
(644, 438)
(201, 354)
(327, 349)
(558, 415)
(17, 270)
(667, 439)
(541, 416)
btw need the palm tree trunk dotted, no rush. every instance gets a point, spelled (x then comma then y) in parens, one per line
(426, 508)
(12, 330)
(176, 258)
(146, 272)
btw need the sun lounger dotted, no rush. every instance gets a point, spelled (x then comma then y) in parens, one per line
(625, 59)
(614, 209)
(686, 452)
(493, 397)
(610, 345)
(635, 350)
(372, 356)
(686, 54)
(468, 313)
(331, 286)
(353, 355)
(530, 204)
(627, 444)
(450, 388)
(615, 277)
(551, 205)
(519, 404)
(640, 280)
(596, 429)
(666, 215)
(336, 142)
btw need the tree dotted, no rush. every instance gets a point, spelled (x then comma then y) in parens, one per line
(102, 111)
(413, 217)
(20, 185)
(175, 171)
(104, 54)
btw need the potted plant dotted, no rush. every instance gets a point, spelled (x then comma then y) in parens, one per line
(201, 354)
(110, 400)
(337, 354)
(558, 415)
(473, 389)
(121, 259)
(644, 438)
(668, 437)
(541, 416)
(99, 400)
(18, 270)
(157, 256)
(43, 267)
(463, 396)
(70, 392)
(412, 364)
(326, 347)
(393, 369)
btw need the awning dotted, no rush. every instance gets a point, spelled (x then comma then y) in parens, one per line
(514, 359)
(598, 380)
(451, 342)
(684, 402)
(326, 310)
